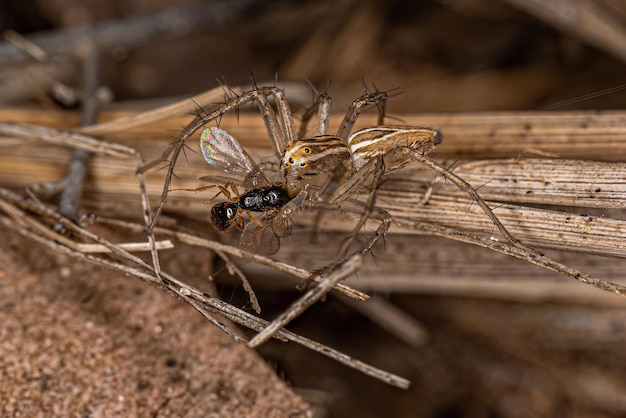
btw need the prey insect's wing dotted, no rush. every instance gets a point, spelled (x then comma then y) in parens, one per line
(219, 179)
(259, 239)
(222, 151)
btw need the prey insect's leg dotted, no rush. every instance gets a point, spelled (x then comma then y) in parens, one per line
(196, 189)
(223, 190)
(253, 219)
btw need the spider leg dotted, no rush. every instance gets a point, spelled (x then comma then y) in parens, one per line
(339, 186)
(354, 183)
(323, 103)
(285, 119)
(366, 209)
(306, 118)
(274, 125)
(337, 179)
(378, 98)
(323, 113)
(467, 188)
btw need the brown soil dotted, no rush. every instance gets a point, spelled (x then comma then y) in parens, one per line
(78, 340)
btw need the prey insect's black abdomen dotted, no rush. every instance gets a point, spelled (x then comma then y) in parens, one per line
(264, 198)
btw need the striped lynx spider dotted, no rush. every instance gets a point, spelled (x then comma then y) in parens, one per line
(322, 172)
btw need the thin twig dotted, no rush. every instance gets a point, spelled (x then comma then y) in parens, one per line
(186, 106)
(220, 248)
(235, 271)
(309, 298)
(204, 303)
(525, 253)
(79, 246)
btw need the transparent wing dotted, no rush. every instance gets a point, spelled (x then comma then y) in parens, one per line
(259, 239)
(224, 152)
(223, 179)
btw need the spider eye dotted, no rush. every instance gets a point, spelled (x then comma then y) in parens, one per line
(307, 150)
(291, 161)
(303, 164)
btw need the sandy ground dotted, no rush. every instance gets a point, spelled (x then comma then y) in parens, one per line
(77, 340)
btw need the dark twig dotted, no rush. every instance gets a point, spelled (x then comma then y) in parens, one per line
(77, 169)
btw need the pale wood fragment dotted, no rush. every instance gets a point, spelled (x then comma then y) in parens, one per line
(572, 203)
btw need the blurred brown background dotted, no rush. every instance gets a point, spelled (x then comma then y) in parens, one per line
(452, 55)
